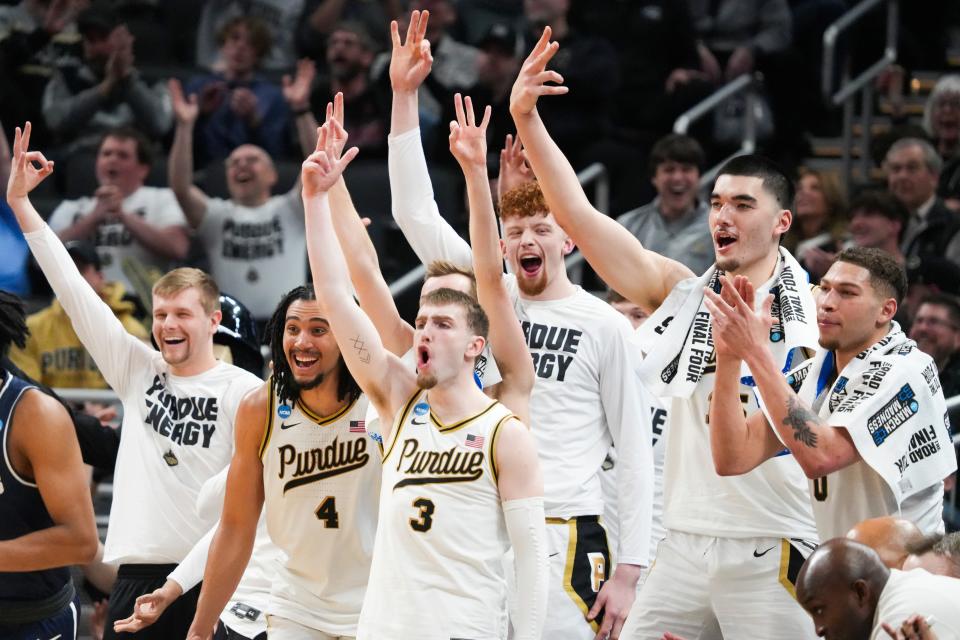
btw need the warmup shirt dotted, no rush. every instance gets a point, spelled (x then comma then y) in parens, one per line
(256, 253)
(908, 593)
(114, 242)
(438, 569)
(321, 480)
(177, 431)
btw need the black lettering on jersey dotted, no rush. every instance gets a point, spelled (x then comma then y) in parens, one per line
(547, 348)
(252, 240)
(316, 464)
(187, 421)
(658, 422)
(429, 467)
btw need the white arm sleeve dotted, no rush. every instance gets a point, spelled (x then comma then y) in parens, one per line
(626, 408)
(527, 529)
(189, 572)
(117, 353)
(414, 209)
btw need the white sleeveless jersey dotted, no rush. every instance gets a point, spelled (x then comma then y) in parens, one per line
(438, 564)
(321, 479)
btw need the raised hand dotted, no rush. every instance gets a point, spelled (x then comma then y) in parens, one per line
(738, 329)
(336, 135)
(319, 172)
(410, 61)
(468, 141)
(296, 91)
(185, 108)
(532, 81)
(514, 168)
(24, 174)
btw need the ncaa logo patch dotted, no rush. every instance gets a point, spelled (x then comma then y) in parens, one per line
(421, 408)
(284, 411)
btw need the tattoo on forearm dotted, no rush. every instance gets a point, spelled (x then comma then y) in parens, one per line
(798, 418)
(362, 352)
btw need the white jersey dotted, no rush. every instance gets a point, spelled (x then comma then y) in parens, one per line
(256, 253)
(914, 592)
(321, 481)
(438, 566)
(177, 431)
(114, 242)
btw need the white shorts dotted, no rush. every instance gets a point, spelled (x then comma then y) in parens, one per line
(706, 588)
(286, 629)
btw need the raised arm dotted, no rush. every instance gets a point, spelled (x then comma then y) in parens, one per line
(41, 445)
(469, 146)
(379, 373)
(233, 542)
(296, 92)
(642, 276)
(192, 200)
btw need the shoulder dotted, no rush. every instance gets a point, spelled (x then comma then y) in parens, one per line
(52, 415)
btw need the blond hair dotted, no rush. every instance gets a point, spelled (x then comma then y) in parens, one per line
(439, 268)
(185, 278)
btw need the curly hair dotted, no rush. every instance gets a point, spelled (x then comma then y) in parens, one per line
(523, 202)
(13, 322)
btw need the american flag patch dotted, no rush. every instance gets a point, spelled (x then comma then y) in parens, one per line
(474, 441)
(358, 426)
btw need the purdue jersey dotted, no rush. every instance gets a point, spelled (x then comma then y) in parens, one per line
(438, 567)
(321, 480)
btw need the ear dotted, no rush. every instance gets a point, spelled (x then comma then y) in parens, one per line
(887, 310)
(784, 220)
(568, 246)
(143, 170)
(862, 592)
(503, 248)
(475, 348)
(215, 319)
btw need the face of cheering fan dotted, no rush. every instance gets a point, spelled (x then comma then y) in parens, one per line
(850, 310)
(535, 247)
(444, 344)
(746, 222)
(250, 175)
(308, 344)
(182, 329)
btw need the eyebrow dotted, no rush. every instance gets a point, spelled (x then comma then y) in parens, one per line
(313, 319)
(742, 197)
(841, 283)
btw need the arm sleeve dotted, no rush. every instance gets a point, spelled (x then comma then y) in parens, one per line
(626, 406)
(118, 354)
(189, 572)
(414, 209)
(528, 536)
(151, 106)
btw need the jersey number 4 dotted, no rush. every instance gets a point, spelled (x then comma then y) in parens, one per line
(424, 520)
(327, 511)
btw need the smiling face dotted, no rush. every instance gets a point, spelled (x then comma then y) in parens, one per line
(873, 229)
(676, 184)
(182, 329)
(308, 345)
(534, 247)
(935, 332)
(909, 178)
(250, 175)
(850, 310)
(810, 203)
(746, 222)
(118, 165)
(445, 344)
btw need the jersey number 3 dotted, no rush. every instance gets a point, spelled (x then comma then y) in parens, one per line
(424, 521)
(327, 511)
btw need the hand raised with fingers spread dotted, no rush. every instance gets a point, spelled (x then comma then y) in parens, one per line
(738, 329)
(514, 168)
(468, 140)
(185, 108)
(296, 91)
(24, 175)
(319, 172)
(532, 81)
(410, 61)
(336, 135)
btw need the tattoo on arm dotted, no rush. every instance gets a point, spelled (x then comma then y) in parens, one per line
(798, 418)
(362, 352)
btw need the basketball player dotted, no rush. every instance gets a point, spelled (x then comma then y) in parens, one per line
(302, 453)
(461, 480)
(585, 397)
(719, 567)
(865, 417)
(46, 517)
(178, 407)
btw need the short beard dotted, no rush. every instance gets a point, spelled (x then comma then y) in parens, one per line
(297, 386)
(831, 345)
(728, 265)
(426, 380)
(532, 287)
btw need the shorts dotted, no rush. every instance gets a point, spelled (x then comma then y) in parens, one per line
(135, 580)
(706, 588)
(61, 625)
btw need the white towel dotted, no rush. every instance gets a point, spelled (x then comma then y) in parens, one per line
(678, 338)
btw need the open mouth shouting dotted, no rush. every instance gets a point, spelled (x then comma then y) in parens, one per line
(303, 362)
(423, 358)
(723, 241)
(173, 341)
(530, 265)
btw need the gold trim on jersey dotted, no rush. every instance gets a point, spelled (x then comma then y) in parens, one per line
(268, 430)
(448, 428)
(398, 425)
(325, 420)
(568, 574)
(493, 448)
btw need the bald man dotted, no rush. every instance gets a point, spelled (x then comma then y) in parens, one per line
(936, 554)
(850, 593)
(889, 536)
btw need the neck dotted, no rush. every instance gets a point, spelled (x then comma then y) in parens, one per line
(844, 356)
(457, 399)
(761, 271)
(322, 399)
(195, 366)
(351, 87)
(127, 190)
(253, 200)
(672, 213)
(557, 289)
(232, 75)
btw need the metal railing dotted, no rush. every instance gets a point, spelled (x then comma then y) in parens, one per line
(595, 174)
(846, 94)
(747, 84)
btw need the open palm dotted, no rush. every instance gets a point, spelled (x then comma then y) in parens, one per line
(468, 140)
(184, 107)
(410, 62)
(25, 175)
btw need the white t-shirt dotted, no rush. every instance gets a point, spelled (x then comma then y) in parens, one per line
(257, 254)
(114, 241)
(917, 592)
(177, 431)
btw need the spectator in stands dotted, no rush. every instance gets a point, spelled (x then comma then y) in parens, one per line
(936, 329)
(133, 226)
(939, 555)
(255, 242)
(350, 53)
(913, 169)
(630, 310)
(13, 247)
(675, 223)
(281, 18)
(941, 121)
(54, 355)
(238, 106)
(816, 234)
(105, 91)
(878, 220)
(319, 17)
(497, 66)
